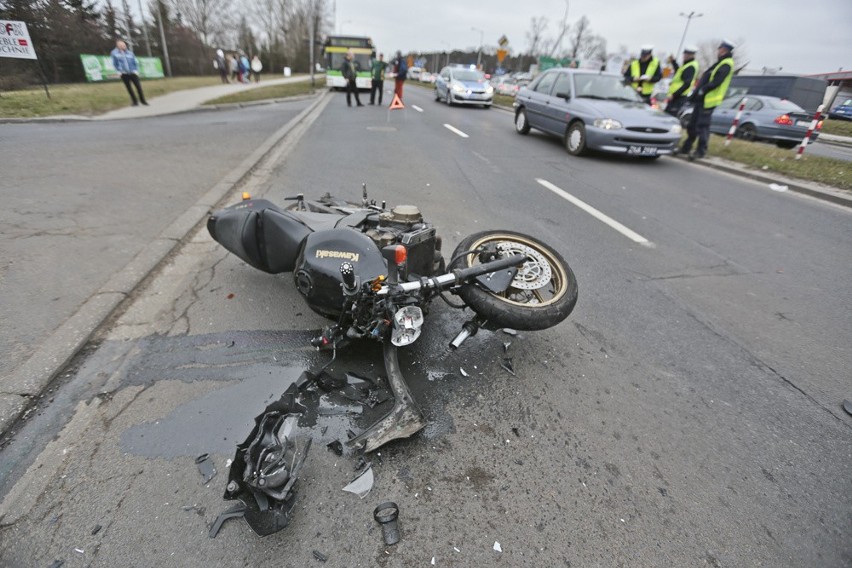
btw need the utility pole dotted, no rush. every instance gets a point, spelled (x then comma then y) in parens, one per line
(479, 55)
(163, 41)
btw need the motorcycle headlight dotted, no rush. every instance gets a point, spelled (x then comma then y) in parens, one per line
(608, 124)
(407, 324)
(676, 129)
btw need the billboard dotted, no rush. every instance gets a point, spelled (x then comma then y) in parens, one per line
(15, 40)
(99, 68)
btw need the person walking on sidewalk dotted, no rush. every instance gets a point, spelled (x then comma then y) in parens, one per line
(377, 73)
(350, 73)
(400, 69)
(125, 63)
(709, 92)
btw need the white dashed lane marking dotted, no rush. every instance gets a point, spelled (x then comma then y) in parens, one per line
(456, 130)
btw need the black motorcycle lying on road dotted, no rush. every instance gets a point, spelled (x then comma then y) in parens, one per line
(374, 271)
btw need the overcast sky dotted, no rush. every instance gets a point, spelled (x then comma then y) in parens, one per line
(801, 37)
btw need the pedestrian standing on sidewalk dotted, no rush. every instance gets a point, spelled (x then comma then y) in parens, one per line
(350, 73)
(221, 65)
(125, 63)
(234, 67)
(256, 68)
(377, 74)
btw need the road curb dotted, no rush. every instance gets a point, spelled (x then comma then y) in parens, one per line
(21, 389)
(825, 193)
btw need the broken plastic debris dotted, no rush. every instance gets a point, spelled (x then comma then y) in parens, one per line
(97, 529)
(237, 511)
(506, 345)
(778, 187)
(336, 447)
(320, 556)
(433, 561)
(456, 549)
(497, 547)
(386, 514)
(362, 484)
(463, 372)
(79, 551)
(507, 364)
(509, 331)
(847, 406)
(205, 468)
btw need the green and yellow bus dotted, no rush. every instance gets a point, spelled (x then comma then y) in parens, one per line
(334, 52)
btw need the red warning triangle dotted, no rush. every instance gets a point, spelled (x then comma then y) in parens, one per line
(397, 103)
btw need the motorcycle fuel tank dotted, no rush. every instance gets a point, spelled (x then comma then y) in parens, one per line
(317, 273)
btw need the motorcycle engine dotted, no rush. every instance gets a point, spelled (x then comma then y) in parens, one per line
(404, 224)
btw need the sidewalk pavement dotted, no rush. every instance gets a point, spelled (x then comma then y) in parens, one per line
(191, 99)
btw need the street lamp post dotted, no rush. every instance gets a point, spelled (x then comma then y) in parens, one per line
(686, 27)
(479, 55)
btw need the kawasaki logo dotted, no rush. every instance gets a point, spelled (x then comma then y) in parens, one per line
(353, 256)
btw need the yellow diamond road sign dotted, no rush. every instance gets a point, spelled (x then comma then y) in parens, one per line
(503, 41)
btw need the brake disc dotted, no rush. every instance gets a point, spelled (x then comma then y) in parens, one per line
(535, 273)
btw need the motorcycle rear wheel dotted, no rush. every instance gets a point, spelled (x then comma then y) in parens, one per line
(541, 295)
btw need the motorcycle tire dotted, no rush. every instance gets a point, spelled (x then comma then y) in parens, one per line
(542, 294)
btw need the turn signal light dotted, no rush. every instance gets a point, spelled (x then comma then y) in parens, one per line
(401, 254)
(246, 196)
(784, 119)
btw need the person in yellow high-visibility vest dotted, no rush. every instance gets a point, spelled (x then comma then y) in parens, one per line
(684, 78)
(708, 93)
(643, 73)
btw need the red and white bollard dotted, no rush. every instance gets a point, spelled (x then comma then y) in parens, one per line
(736, 122)
(811, 129)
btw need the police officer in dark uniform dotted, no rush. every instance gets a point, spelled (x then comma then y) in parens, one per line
(709, 92)
(683, 80)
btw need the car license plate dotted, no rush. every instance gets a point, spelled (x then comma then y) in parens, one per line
(642, 150)
(805, 123)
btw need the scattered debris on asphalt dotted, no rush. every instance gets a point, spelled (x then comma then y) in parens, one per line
(320, 556)
(847, 406)
(778, 187)
(96, 530)
(497, 547)
(362, 484)
(205, 468)
(507, 365)
(463, 372)
(509, 331)
(386, 515)
(336, 447)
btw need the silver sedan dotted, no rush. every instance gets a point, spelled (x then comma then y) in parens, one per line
(592, 110)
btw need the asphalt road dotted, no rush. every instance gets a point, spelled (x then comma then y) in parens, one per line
(83, 199)
(688, 413)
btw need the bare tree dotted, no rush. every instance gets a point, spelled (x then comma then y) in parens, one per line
(564, 26)
(708, 54)
(207, 17)
(535, 35)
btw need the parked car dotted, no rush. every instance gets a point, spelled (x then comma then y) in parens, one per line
(843, 111)
(505, 85)
(464, 86)
(590, 110)
(413, 73)
(764, 118)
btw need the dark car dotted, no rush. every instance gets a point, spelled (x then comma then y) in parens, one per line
(843, 111)
(594, 110)
(764, 118)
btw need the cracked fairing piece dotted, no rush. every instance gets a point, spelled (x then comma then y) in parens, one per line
(267, 464)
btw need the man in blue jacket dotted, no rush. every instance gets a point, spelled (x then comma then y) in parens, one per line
(125, 63)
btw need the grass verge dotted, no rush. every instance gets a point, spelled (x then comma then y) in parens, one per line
(837, 127)
(88, 99)
(270, 92)
(771, 159)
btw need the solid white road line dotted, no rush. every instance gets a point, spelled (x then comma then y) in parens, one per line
(633, 236)
(456, 130)
(417, 108)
